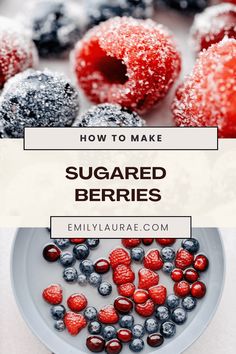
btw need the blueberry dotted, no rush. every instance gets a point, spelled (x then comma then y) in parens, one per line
(189, 303)
(168, 329)
(151, 325)
(81, 251)
(90, 313)
(82, 279)
(136, 345)
(168, 267)
(179, 315)
(109, 332)
(138, 331)
(58, 312)
(162, 313)
(67, 259)
(172, 301)
(105, 288)
(137, 254)
(59, 325)
(94, 327)
(92, 242)
(70, 274)
(188, 6)
(62, 243)
(191, 245)
(95, 279)
(167, 254)
(86, 267)
(126, 321)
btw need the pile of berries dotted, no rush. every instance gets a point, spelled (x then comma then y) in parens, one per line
(113, 326)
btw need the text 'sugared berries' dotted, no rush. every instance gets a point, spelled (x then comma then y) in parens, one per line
(108, 315)
(165, 241)
(188, 6)
(123, 274)
(127, 61)
(147, 278)
(158, 294)
(183, 259)
(152, 260)
(37, 99)
(212, 25)
(201, 263)
(126, 289)
(53, 294)
(119, 256)
(77, 302)
(146, 309)
(208, 95)
(182, 288)
(74, 322)
(17, 51)
(131, 242)
(51, 253)
(198, 289)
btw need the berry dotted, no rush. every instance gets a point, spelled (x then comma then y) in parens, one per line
(167, 254)
(37, 99)
(188, 6)
(102, 266)
(212, 25)
(191, 245)
(92, 242)
(151, 325)
(53, 294)
(201, 263)
(17, 51)
(177, 274)
(191, 275)
(108, 315)
(183, 259)
(119, 256)
(136, 345)
(168, 329)
(67, 259)
(59, 325)
(158, 294)
(126, 321)
(165, 241)
(168, 267)
(90, 313)
(147, 278)
(70, 274)
(155, 340)
(114, 346)
(172, 301)
(95, 344)
(162, 313)
(109, 332)
(137, 254)
(198, 289)
(77, 302)
(179, 316)
(81, 251)
(109, 115)
(105, 288)
(82, 279)
(77, 240)
(123, 274)
(152, 260)
(58, 312)
(138, 331)
(123, 305)
(146, 309)
(126, 289)
(182, 288)
(94, 327)
(131, 242)
(140, 296)
(147, 241)
(62, 243)
(51, 253)
(86, 267)
(55, 26)
(95, 279)
(74, 322)
(189, 303)
(124, 335)
(196, 104)
(127, 61)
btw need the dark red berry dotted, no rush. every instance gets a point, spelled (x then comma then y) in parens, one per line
(140, 296)
(165, 241)
(201, 263)
(182, 288)
(147, 241)
(51, 253)
(198, 289)
(77, 240)
(114, 346)
(177, 274)
(95, 344)
(191, 275)
(102, 266)
(155, 340)
(123, 305)
(124, 335)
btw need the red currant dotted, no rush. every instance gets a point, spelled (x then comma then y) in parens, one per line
(51, 253)
(95, 344)
(155, 340)
(123, 305)
(177, 274)
(114, 346)
(102, 266)
(191, 275)
(198, 289)
(201, 263)
(140, 296)
(124, 335)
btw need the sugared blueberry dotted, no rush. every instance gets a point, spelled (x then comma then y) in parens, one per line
(94, 327)
(172, 301)
(179, 315)
(59, 325)
(81, 251)
(189, 303)
(70, 274)
(167, 254)
(62, 243)
(162, 313)
(126, 321)
(191, 245)
(67, 259)
(138, 331)
(151, 325)
(86, 267)
(136, 345)
(92, 242)
(105, 288)
(168, 267)
(137, 254)
(90, 313)
(109, 332)
(58, 312)
(168, 329)
(95, 279)
(82, 279)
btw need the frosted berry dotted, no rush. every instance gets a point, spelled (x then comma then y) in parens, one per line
(172, 301)
(179, 316)
(95, 279)
(70, 274)
(86, 267)
(151, 325)
(95, 327)
(136, 345)
(105, 288)
(82, 279)
(182, 288)
(59, 325)
(137, 254)
(191, 245)
(81, 251)
(126, 321)
(67, 259)
(92, 242)
(138, 331)
(189, 303)
(168, 267)
(62, 243)
(90, 313)
(109, 332)
(167, 254)
(168, 329)
(58, 312)
(162, 313)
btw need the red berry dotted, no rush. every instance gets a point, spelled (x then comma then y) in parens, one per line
(77, 302)
(152, 260)
(182, 288)
(53, 294)
(127, 61)
(183, 259)
(131, 242)
(51, 253)
(177, 274)
(158, 294)
(155, 340)
(146, 309)
(147, 278)
(123, 274)
(123, 305)
(124, 335)
(102, 266)
(191, 275)
(114, 346)
(77, 240)
(147, 241)
(201, 263)
(95, 344)
(126, 289)
(140, 296)
(198, 289)
(108, 315)
(74, 322)
(166, 241)
(119, 256)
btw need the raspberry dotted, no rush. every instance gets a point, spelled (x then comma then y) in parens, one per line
(127, 61)
(17, 51)
(146, 309)
(119, 256)
(77, 302)
(212, 25)
(74, 322)
(208, 96)
(158, 294)
(108, 315)
(182, 288)
(53, 294)
(147, 278)
(123, 274)
(126, 289)
(152, 260)
(183, 259)
(131, 242)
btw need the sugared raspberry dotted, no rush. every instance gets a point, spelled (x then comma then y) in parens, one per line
(17, 51)
(127, 61)
(212, 25)
(208, 95)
